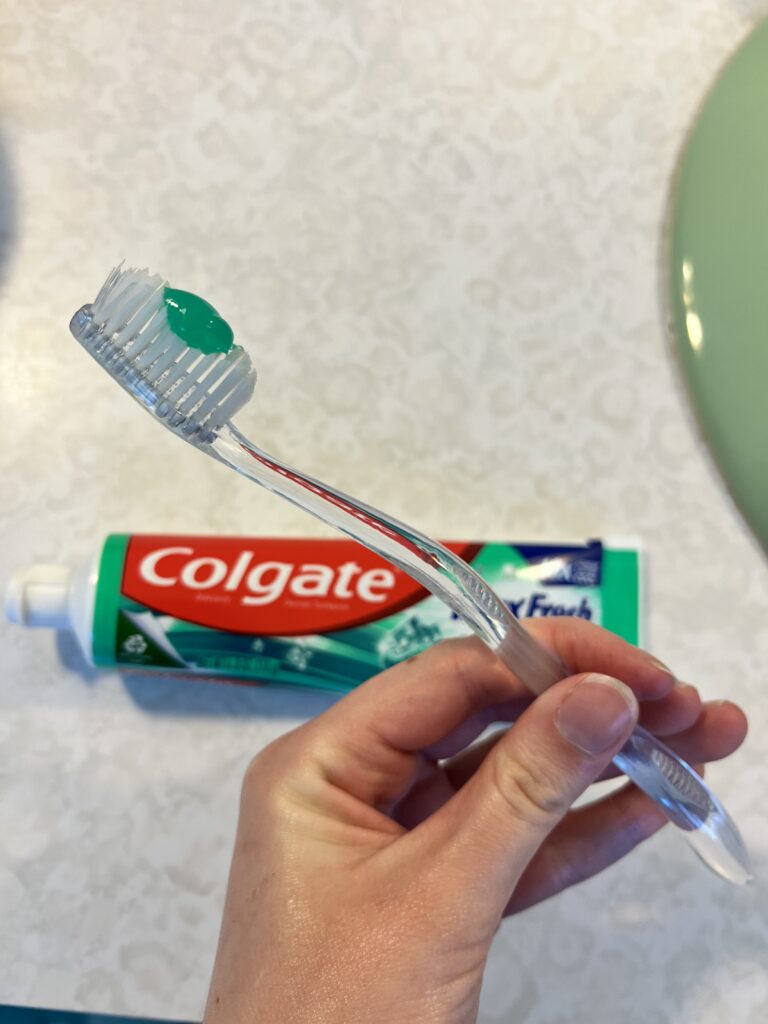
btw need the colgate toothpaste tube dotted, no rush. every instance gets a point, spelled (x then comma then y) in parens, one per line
(306, 612)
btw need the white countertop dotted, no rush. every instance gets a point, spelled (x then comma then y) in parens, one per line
(437, 227)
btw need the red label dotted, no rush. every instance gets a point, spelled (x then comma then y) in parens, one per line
(272, 586)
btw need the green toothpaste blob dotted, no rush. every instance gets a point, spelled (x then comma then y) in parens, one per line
(196, 322)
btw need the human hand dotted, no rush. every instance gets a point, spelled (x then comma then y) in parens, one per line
(370, 874)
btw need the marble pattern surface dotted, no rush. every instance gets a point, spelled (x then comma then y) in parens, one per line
(437, 225)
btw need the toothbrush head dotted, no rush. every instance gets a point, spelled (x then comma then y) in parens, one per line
(169, 349)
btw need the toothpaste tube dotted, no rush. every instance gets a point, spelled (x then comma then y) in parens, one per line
(306, 612)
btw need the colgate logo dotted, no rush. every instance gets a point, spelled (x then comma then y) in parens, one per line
(268, 586)
(264, 582)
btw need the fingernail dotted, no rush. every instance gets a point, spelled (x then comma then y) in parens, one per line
(596, 713)
(686, 686)
(661, 666)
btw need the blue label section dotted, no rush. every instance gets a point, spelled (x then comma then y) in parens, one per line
(579, 565)
(30, 1015)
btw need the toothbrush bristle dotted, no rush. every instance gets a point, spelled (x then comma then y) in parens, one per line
(126, 330)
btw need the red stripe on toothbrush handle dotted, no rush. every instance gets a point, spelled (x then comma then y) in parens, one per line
(340, 502)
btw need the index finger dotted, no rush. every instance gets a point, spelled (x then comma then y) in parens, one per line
(585, 647)
(373, 732)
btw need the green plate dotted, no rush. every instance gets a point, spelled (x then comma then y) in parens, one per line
(719, 268)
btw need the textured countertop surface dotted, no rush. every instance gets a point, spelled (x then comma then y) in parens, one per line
(437, 225)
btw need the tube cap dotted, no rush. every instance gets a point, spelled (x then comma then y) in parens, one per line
(39, 596)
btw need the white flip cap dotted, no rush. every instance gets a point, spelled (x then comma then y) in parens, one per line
(39, 596)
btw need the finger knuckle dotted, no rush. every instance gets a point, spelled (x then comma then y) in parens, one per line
(458, 654)
(529, 793)
(267, 769)
(465, 659)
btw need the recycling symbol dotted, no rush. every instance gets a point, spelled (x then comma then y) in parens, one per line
(134, 644)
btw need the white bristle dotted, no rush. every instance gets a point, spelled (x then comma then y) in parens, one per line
(171, 354)
(187, 400)
(150, 354)
(182, 366)
(220, 392)
(126, 330)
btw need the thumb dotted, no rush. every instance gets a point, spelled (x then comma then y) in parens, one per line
(488, 832)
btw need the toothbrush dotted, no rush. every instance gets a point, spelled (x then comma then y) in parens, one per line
(175, 355)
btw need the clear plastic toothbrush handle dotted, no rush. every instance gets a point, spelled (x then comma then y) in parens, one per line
(660, 773)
